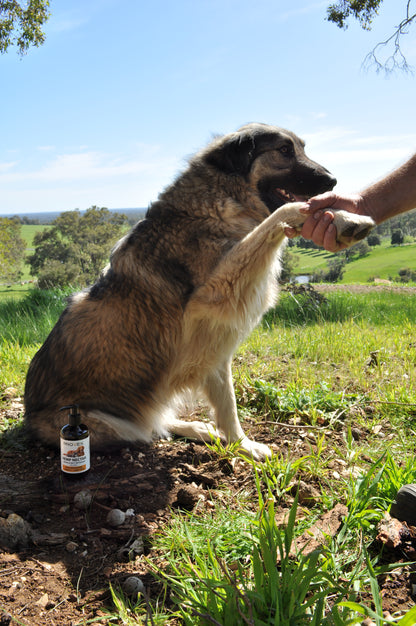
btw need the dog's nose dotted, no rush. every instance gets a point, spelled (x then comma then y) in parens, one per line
(332, 181)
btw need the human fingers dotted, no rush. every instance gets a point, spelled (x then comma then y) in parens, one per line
(321, 222)
(291, 232)
(322, 201)
(330, 242)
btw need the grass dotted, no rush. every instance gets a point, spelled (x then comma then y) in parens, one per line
(382, 262)
(24, 325)
(327, 367)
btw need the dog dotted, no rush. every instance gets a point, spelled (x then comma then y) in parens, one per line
(181, 292)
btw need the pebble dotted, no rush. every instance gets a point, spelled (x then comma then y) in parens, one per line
(133, 585)
(116, 517)
(71, 546)
(15, 532)
(83, 499)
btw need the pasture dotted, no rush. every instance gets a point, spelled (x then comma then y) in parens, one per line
(383, 262)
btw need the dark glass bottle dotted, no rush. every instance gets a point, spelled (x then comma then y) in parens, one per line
(75, 445)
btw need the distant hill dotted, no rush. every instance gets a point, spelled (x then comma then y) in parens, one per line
(46, 217)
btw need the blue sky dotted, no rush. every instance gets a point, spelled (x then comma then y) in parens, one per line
(121, 93)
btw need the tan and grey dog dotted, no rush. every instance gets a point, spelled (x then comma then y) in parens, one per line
(181, 292)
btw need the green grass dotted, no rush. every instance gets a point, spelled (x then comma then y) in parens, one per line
(382, 262)
(29, 231)
(24, 325)
(323, 367)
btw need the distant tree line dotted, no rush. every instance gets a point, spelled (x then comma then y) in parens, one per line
(76, 247)
(73, 250)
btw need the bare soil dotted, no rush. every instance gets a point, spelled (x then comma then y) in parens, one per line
(61, 574)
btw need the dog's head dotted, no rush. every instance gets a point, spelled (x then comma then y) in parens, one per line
(273, 161)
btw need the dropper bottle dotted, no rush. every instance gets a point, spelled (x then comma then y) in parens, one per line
(75, 444)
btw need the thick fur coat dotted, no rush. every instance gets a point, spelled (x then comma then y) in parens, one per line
(182, 290)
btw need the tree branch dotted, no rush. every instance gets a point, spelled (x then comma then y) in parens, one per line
(396, 60)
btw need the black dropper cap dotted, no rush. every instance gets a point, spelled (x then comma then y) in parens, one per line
(74, 415)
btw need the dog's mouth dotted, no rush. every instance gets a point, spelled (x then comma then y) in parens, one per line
(274, 196)
(286, 196)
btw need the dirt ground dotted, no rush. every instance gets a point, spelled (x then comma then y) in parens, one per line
(57, 569)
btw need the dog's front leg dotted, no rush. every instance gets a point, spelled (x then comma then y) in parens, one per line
(220, 392)
(240, 271)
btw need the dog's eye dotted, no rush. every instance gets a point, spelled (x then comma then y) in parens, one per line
(286, 150)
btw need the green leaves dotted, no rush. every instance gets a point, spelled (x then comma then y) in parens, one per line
(12, 247)
(363, 10)
(21, 24)
(76, 248)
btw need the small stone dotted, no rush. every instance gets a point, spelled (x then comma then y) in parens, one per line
(15, 532)
(43, 601)
(133, 585)
(71, 546)
(83, 499)
(308, 495)
(116, 517)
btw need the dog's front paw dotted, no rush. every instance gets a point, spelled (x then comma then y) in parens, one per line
(257, 451)
(351, 227)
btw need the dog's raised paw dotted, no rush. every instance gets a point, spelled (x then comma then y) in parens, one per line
(351, 227)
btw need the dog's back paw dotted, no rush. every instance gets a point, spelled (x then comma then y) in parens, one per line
(351, 227)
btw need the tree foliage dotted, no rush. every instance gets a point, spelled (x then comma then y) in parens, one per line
(21, 24)
(12, 247)
(397, 237)
(373, 240)
(365, 11)
(362, 10)
(289, 262)
(75, 248)
(334, 273)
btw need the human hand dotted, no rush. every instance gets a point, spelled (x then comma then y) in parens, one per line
(318, 226)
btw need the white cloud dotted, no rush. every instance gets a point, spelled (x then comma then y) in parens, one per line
(81, 179)
(83, 166)
(5, 167)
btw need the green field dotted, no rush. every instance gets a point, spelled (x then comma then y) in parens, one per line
(382, 262)
(17, 290)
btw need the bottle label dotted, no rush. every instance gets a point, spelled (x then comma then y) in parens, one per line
(75, 455)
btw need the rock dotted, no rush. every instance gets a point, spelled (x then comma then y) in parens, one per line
(43, 601)
(83, 499)
(404, 505)
(15, 532)
(308, 495)
(116, 517)
(71, 546)
(133, 585)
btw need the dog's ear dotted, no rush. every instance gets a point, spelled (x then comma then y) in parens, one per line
(233, 155)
